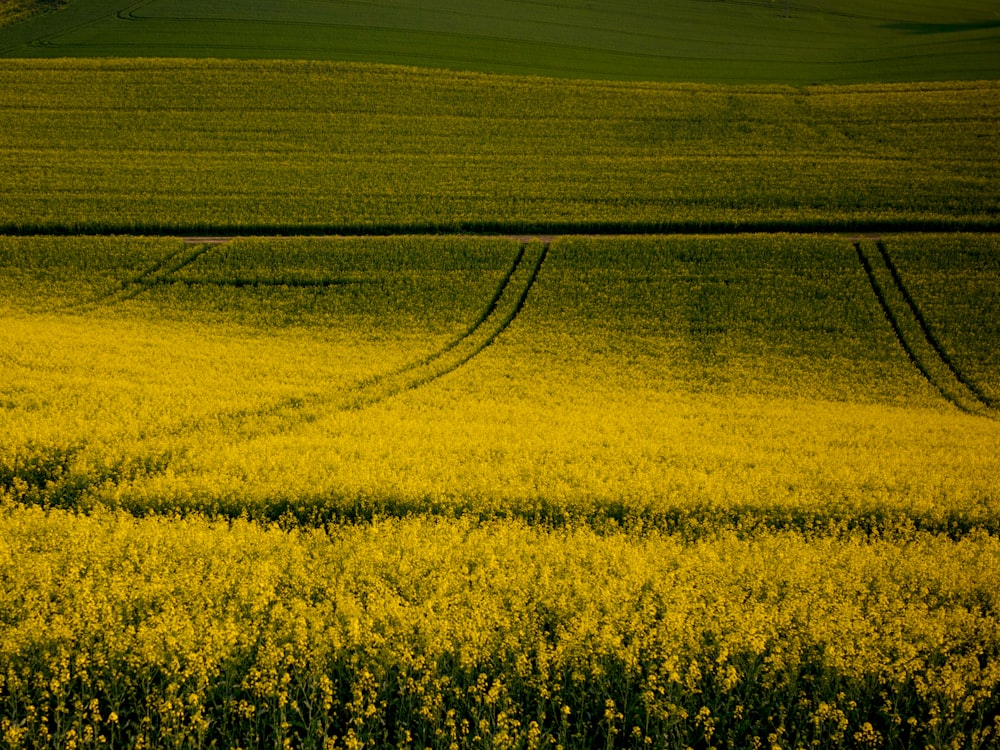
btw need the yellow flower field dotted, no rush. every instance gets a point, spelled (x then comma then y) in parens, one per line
(670, 491)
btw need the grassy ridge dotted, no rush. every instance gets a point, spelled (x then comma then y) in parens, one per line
(231, 147)
(679, 40)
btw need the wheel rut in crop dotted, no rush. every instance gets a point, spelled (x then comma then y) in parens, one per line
(167, 271)
(916, 337)
(497, 316)
(928, 332)
(157, 273)
(500, 312)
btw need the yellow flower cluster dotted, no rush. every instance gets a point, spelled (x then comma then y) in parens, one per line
(693, 493)
(683, 383)
(170, 632)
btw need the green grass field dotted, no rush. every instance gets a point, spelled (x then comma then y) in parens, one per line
(764, 41)
(605, 405)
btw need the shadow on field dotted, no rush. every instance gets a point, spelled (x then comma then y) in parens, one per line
(942, 28)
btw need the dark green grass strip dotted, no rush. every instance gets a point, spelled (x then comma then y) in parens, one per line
(982, 224)
(928, 332)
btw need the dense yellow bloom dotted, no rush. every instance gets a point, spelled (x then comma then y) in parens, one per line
(686, 383)
(184, 629)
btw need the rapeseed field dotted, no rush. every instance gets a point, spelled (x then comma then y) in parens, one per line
(357, 405)
(664, 491)
(194, 147)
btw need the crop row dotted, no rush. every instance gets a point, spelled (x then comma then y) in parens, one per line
(255, 147)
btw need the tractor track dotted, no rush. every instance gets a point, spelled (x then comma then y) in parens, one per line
(968, 399)
(928, 332)
(504, 324)
(155, 274)
(380, 388)
(164, 274)
(127, 284)
(288, 412)
(488, 310)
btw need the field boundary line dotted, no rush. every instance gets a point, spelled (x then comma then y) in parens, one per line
(928, 332)
(941, 225)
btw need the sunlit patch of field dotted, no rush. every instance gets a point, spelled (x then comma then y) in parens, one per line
(744, 380)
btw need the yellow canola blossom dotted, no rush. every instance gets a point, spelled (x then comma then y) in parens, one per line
(685, 383)
(435, 633)
(662, 491)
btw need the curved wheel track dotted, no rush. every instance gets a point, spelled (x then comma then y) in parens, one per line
(506, 304)
(928, 332)
(916, 337)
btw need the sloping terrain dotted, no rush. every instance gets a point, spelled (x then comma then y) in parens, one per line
(801, 42)
(628, 415)
(749, 379)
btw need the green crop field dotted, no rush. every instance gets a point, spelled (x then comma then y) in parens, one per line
(499, 375)
(189, 147)
(749, 41)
